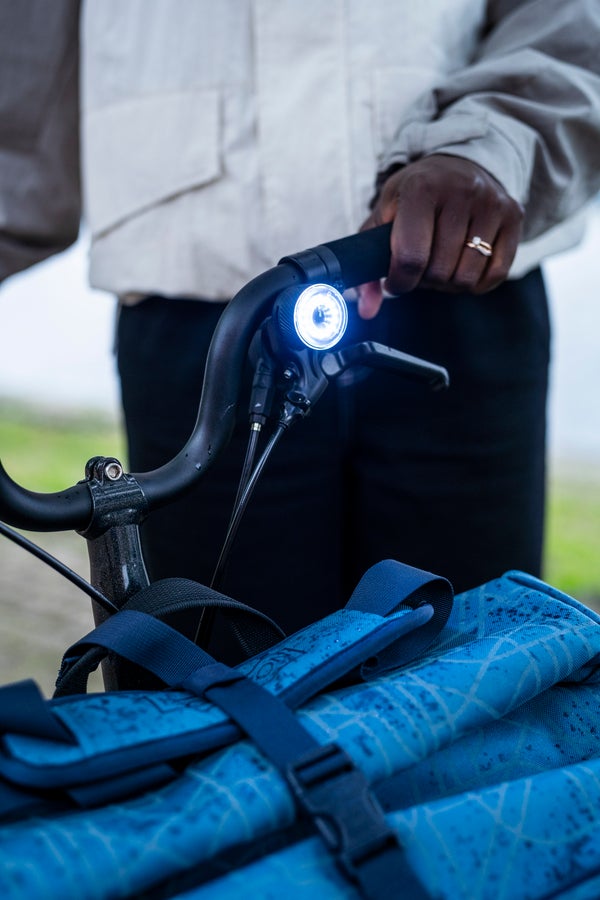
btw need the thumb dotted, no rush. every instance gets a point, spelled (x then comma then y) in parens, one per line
(370, 298)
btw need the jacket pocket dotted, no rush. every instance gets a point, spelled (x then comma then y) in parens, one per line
(143, 152)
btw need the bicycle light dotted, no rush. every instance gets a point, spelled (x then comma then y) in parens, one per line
(316, 317)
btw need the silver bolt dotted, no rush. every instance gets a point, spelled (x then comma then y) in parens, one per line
(113, 471)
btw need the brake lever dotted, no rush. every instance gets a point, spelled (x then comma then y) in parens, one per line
(378, 356)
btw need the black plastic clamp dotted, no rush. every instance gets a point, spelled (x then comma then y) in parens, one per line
(335, 795)
(319, 264)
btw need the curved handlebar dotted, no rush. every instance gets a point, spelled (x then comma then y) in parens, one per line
(352, 260)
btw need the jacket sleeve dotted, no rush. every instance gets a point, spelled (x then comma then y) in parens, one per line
(39, 143)
(527, 108)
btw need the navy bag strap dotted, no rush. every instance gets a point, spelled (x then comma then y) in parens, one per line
(23, 710)
(329, 789)
(254, 630)
(389, 586)
(383, 589)
(143, 640)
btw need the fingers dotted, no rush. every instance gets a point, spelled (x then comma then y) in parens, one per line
(370, 298)
(450, 234)
(412, 239)
(437, 205)
(476, 271)
(498, 265)
(413, 216)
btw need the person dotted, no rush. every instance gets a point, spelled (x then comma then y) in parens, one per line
(216, 139)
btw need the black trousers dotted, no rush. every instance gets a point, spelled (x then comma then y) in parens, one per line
(452, 482)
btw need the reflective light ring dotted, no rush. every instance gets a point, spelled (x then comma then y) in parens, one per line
(320, 316)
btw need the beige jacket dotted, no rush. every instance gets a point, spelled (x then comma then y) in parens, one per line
(218, 136)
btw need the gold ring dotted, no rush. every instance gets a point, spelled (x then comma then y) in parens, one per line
(477, 243)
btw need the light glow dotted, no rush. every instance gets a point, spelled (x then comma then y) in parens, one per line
(320, 316)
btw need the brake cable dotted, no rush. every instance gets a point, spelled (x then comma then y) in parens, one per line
(58, 566)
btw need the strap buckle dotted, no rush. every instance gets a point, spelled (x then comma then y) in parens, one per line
(336, 796)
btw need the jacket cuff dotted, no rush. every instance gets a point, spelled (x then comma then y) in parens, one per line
(497, 143)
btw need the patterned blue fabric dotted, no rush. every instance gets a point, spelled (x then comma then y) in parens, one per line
(523, 839)
(485, 751)
(114, 722)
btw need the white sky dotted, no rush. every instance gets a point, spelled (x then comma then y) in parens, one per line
(56, 338)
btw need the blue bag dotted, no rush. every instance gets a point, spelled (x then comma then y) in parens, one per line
(476, 729)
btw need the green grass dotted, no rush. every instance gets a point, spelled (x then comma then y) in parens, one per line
(47, 452)
(573, 534)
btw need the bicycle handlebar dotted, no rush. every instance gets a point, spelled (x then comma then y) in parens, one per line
(352, 260)
(364, 256)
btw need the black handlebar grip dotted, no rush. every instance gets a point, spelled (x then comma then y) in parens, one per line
(364, 256)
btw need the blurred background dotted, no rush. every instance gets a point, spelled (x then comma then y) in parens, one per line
(59, 406)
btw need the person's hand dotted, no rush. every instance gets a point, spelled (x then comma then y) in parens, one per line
(438, 204)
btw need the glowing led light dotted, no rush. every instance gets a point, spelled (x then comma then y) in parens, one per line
(320, 316)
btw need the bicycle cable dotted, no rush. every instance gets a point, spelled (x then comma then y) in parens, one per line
(255, 430)
(207, 616)
(58, 566)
